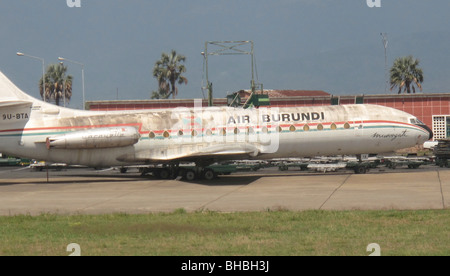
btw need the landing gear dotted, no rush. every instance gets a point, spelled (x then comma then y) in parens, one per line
(360, 169)
(164, 174)
(199, 172)
(188, 173)
(209, 174)
(123, 170)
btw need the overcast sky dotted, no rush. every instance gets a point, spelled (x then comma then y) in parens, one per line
(299, 44)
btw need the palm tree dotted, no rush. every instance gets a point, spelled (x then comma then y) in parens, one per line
(58, 86)
(168, 72)
(405, 73)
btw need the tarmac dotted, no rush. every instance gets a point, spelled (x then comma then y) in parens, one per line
(83, 191)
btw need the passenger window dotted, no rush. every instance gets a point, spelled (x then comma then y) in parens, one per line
(264, 130)
(305, 128)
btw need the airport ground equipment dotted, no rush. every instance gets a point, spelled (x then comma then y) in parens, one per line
(12, 161)
(285, 165)
(412, 162)
(442, 153)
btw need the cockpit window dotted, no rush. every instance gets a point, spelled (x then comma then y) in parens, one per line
(415, 121)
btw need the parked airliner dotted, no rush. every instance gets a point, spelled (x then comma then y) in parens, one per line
(39, 130)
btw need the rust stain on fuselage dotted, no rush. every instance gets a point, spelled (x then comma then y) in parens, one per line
(218, 117)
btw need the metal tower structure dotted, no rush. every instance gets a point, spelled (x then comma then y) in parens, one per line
(219, 48)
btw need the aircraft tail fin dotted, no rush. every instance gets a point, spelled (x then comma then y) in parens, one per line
(10, 94)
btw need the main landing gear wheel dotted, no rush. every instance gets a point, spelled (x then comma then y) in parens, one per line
(190, 175)
(163, 174)
(123, 170)
(209, 174)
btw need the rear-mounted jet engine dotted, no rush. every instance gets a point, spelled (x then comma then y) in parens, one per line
(95, 138)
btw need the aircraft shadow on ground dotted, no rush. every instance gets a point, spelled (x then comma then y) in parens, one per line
(219, 181)
(234, 179)
(55, 181)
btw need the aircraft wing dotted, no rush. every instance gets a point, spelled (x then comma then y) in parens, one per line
(193, 153)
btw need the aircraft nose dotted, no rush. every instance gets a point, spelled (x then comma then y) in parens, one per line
(430, 136)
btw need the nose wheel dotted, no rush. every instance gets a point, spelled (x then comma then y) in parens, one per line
(360, 169)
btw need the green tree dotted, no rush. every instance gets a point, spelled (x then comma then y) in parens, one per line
(405, 73)
(58, 85)
(168, 71)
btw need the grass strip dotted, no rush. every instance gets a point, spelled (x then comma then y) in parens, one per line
(269, 233)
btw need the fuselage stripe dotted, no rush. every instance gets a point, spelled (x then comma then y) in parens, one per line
(299, 128)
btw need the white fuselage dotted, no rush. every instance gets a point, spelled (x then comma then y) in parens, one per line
(191, 134)
(34, 129)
